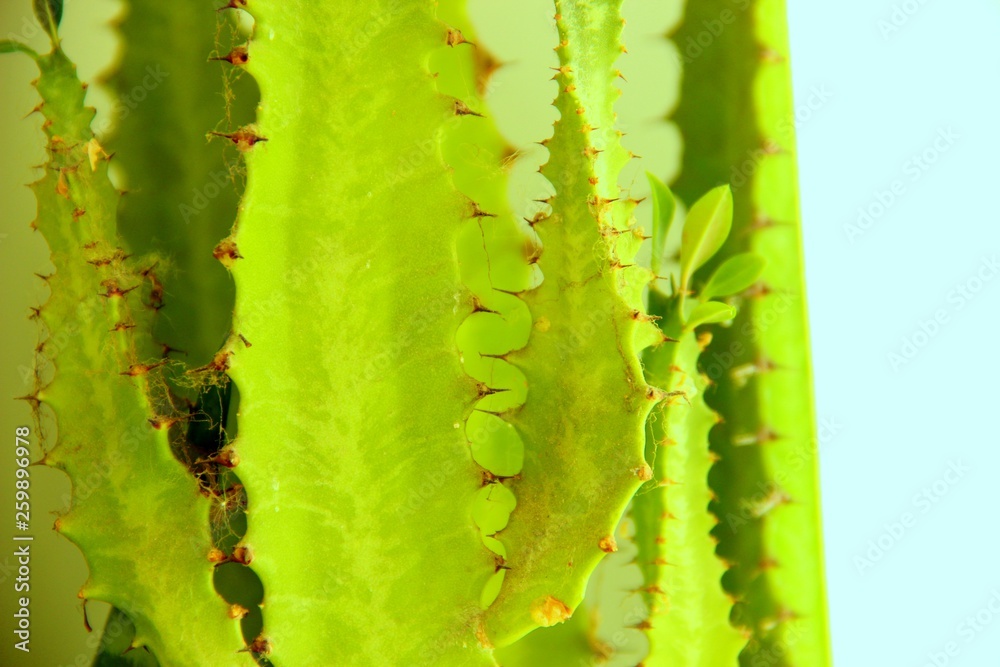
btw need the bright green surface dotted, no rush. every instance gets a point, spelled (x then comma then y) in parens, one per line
(351, 296)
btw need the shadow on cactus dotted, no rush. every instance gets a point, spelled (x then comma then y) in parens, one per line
(399, 422)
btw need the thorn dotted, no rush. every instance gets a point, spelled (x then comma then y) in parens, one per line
(135, 370)
(763, 436)
(37, 109)
(233, 4)
(771, 56)
(241, 555)
(480, 213)
(462, 109)
(227, 457)
(549, 611)
(454, 37)
(608, 545)
(259, 645)
(478, 307)
(768, 563)
(499, 563)
(238, 56)
(761, 221)
(237, 612)
(30, 398)
(62, 185)
(114, 290)
(643, 472)
(86, 620)
(167, 350)
(160, 422)
(666, 339)
(539, 217)
(219, 363)
(227, 253)
(244, 138)
(758, 290)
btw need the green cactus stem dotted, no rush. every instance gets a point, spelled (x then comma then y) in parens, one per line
(144, 528)
(688, 620)
(350, 292)
(583, 421)
(766, 480)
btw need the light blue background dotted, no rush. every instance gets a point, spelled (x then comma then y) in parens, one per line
(900, 428)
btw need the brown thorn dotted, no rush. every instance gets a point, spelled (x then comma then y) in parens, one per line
(238, 56)
(244, 138)
(480, 213)
(86, 621)
(135, 370)
(454, 37)
(462, 109)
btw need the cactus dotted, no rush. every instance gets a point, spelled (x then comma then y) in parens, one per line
(450, 429)
(108, 396)
(768, 498)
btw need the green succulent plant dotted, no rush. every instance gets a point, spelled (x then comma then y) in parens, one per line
(348, 408)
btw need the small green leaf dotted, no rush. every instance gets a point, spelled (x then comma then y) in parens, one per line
(13, 46)
(664, 207)
(734, 275)
(705, 230)
(49, 14)
(710, 313)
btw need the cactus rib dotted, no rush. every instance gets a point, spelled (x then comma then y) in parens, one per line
(582, 424)
(768, 496)
(143, 526)
(372, 406)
